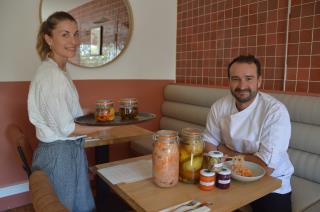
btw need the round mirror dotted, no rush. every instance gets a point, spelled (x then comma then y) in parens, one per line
(105, 28)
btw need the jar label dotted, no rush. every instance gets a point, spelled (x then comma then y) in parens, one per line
(224, 181)
(218, 165)
(207, 183)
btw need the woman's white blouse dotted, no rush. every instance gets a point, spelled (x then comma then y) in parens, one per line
(262, 129)
(53, 103)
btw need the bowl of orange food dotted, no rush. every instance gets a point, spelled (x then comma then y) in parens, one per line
(245, 171)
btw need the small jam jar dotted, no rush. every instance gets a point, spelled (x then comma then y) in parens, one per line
(223, 178)
(207, 180)
(104, 110)
(128, 108)
(165, 158)
(214, 160)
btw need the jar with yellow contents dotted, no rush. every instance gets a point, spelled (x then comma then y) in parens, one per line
(191, 150)
(104, 110)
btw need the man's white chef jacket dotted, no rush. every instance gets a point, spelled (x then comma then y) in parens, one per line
(262, 129)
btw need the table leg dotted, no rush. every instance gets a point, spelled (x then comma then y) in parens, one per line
(102, 154)
(102, 190)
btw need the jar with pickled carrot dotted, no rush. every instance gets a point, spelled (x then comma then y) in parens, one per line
(165, 158)
(207, 180)
(104, 110)
(191, 158)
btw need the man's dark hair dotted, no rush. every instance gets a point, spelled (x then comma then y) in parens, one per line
(246, 59)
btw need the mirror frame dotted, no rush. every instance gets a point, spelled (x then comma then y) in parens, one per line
(127, 40)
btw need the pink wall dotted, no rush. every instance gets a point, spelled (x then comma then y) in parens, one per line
(13, 109)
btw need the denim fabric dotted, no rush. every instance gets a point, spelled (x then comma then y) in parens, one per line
(65, 163)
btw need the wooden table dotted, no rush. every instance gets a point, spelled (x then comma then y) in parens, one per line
(116, 135)
(146, 196)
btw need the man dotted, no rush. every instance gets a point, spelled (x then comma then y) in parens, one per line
(256, 125)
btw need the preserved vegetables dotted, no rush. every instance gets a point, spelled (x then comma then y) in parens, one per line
(165, 158)
(191, 150)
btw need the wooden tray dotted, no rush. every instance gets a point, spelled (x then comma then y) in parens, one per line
(90, 120)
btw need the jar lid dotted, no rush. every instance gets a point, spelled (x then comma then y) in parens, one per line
(191, 133)
(188, 131)
(166, 135)
(224, 171)
(104, 102)
(128, 101)
(207, 173)
(215, 154)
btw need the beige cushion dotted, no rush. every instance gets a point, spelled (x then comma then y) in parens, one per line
(306, 165)
(185, 112)
(313, 208)
(303, 109)
(304, 194)
(200, 96)
(305, 137)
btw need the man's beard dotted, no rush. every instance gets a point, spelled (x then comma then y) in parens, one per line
(251, 95)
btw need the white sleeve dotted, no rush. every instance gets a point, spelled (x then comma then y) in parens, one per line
(54, 108)
(212, 131)
(275, 137)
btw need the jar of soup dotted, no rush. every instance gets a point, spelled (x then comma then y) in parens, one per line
(165, 158)
(104, 110)
(128, 108)
(214, 160)
(191, 150)
(223, 178)
(207, 180)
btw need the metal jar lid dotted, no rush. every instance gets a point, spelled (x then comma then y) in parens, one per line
(101, 103)
(215, 154)
(224, 171)
(128, 101)
(207, 173)
(166, 135)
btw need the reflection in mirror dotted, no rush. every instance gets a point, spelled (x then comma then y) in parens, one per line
(105, 27)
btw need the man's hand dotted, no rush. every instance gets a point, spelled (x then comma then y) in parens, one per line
(226, 151)
(249, 157)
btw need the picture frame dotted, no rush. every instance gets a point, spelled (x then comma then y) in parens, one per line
(96, 35)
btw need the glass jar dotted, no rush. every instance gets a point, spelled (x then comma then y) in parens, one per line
(191, 150)
(165, 158)
(214, 160)
(128, 108)
(223, 178)
(104, 110)
(207, 180)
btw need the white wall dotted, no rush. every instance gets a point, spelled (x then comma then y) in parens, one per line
(151, 53)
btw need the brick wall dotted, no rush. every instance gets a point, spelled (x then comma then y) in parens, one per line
(211, 33)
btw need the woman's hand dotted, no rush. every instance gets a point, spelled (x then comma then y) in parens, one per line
(88, 130)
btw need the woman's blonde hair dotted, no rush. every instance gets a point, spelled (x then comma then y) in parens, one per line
(46, 28)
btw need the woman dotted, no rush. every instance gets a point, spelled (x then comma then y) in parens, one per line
(53, 103)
